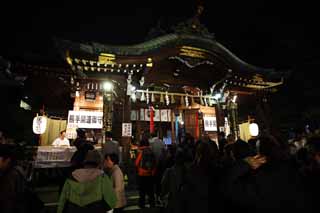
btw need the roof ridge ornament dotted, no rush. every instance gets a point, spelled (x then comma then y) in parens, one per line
(193, 25)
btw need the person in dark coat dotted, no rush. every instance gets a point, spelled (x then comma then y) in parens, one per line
(266, 182)
(171, 183)
(15, 196)
(195, 183)
(310, 170)
(222, 142)
(11, 182)
(83, 146)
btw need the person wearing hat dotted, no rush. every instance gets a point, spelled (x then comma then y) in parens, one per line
(88, 189)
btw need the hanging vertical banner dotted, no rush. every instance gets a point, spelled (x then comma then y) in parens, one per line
(147, 114)
(151, 119)
(156, 115)
(169, 115)
(142, 115)
(164, 115)
(134, 115)
(210, 123)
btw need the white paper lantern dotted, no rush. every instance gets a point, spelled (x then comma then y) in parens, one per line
(39, 125)
(254, 129)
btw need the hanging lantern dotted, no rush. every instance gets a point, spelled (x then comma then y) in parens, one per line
(182, 101)
(254, 129)
(167, 99)
(147, 94)
(187, 101)
(161, 98)
(39, 125)
(172, 99)
(143, 97)
(152, 98)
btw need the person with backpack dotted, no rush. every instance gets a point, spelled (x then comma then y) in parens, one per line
(88, 189)
(146, 170)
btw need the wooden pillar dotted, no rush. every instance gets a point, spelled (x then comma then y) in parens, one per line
(125, 141)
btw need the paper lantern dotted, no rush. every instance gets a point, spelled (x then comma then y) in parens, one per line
(254, 129)
(39, 125)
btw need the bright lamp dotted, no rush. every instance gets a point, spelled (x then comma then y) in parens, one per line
(254, 129)
(107, 86)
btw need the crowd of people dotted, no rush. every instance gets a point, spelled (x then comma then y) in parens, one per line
(259, 175)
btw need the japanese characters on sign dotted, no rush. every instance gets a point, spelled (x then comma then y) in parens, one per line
(126, 129)
(163, 115)
(85, 119)
(210, 123)
(39, 125)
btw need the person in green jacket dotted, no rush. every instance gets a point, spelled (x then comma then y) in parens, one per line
(88, 189)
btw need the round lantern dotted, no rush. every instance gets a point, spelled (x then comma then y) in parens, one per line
(254, 129)
(39, 125)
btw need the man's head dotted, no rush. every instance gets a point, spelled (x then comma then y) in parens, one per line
(7, 156)
(110, 160)
(63, 134)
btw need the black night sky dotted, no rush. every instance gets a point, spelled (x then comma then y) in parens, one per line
(278, 35)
